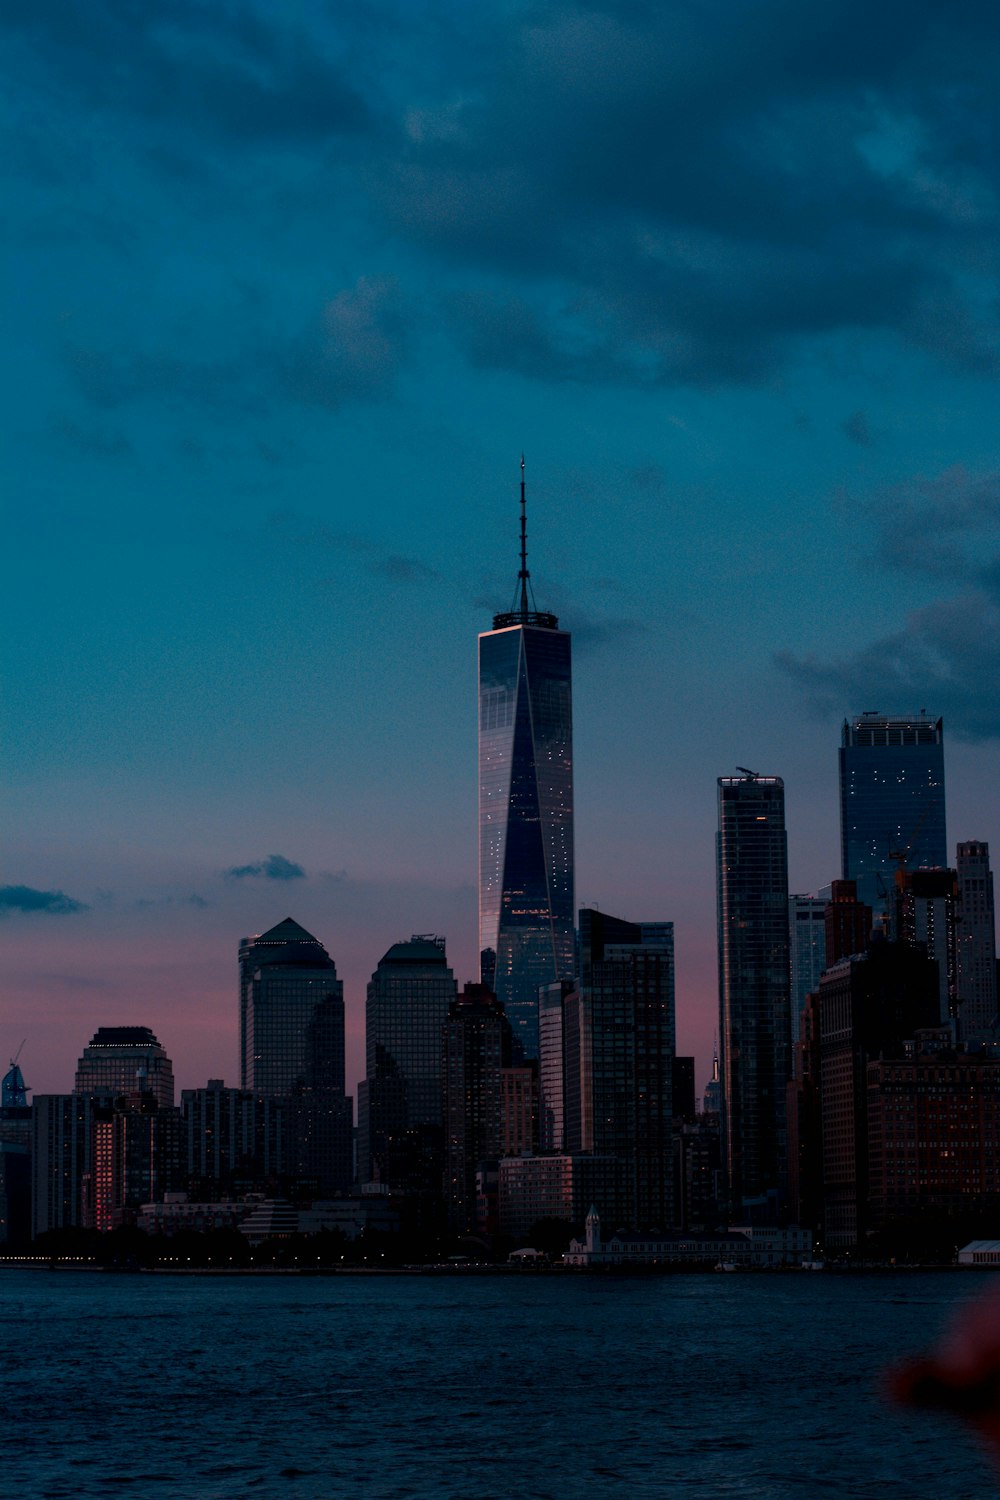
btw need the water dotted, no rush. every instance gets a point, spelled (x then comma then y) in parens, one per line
(477, 1388)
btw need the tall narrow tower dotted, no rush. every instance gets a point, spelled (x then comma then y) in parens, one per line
(525, 805)
(753, 987)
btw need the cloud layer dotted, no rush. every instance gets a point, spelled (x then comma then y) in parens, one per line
(25, 898)
(946, 657)
(274, 867)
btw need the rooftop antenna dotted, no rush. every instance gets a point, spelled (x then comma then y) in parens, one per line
(522, 577)
(523, 610)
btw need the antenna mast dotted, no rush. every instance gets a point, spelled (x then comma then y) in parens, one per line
(523, 575)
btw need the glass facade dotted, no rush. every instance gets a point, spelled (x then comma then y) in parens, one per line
(754, 1020)
(408, 1000)
(892, 807)
(525, 814)
(292, 1033)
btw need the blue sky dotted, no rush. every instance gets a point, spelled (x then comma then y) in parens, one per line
(286, 298)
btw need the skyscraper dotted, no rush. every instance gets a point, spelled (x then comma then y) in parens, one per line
(753, 986)
(125, 1060)
(525, 805)
(292, 1033)
(399, 1108)
(977, 945)
(892, 809)
(626, 1059)
(475, 1047)
(807, 946)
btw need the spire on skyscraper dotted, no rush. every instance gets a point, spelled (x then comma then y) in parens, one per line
(522, 610)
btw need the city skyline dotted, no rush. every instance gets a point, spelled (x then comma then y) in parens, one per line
(291, 294)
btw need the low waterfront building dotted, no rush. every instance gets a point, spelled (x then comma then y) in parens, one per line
(985, 1253)
(754, 1246)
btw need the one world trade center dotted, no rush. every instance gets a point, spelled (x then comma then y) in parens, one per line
(526, 932)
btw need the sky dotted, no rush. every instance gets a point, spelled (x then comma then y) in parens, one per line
(287, 295)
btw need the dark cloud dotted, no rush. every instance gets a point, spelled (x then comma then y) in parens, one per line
(274, 867)
(220, 72)
(25, 898)
(683, 194)
(947, 658)
(947, 655)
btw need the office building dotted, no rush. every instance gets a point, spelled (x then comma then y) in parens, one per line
(551, 1066)
(292, 1033)
(519, 1109)
(869, 1006)
(807, 953)
(977, 946)
(96, 1158)
(476, 1048)
(125, 1060)
(626, 1058)
(232, 1140)
(754, 1025)
(926, 913)
(526, 934)
(15, 1158)
(399, 1105)
(933, 1128)
(892, 803)
(847, 923)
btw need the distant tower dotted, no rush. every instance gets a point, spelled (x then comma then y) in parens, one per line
(977, 945)
(892, 809)
(753, 987)
(525, 805)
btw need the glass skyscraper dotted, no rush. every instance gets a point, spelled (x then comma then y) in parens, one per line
(399, 1105)
(292, 1035)
(753, 987)
(892, 810)
(526, 933)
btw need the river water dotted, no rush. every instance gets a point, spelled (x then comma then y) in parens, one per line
(472, 1387)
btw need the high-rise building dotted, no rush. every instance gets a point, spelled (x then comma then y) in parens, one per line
(15, 1158)
(868, 1005)
(754, 1026)
(627, 1042)
(525, 806)
(125, 1060)
(231, 1139)
(292, 1032)
(892, 807)
(807, 953)
(977, 946)
(399, 1106)
(847, 921)
(476, 1048)
(926, 913)
(551, 1066)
